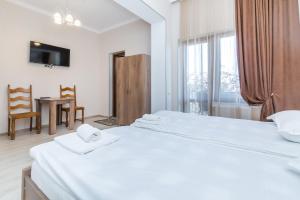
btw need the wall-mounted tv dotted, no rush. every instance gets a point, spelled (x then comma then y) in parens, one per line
(49, 55)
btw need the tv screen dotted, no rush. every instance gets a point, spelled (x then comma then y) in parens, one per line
(49, 55)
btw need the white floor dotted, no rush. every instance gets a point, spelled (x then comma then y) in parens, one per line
(14, 157)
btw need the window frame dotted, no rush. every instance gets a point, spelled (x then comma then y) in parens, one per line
(214, 68)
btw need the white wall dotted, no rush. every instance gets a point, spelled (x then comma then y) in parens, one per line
(175, 29)
(18, 27)
(163, 7)
(158, 66)
(89, 59)
(156, 12)
(134, 38)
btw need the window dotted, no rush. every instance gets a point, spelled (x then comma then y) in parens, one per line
(228, 89)
(212, 73)
(198, 77)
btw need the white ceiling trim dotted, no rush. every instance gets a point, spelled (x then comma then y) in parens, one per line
(118, 25)
(33, 8)
(43, 12)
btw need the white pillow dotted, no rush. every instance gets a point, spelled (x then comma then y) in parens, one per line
(287, 121)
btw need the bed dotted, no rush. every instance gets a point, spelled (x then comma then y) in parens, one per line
(244, 134)
(149, 164)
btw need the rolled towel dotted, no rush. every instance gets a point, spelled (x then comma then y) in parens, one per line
(151, 117)
(75, 144)
(88, 133)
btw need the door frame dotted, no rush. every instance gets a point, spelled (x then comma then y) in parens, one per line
(111, 63)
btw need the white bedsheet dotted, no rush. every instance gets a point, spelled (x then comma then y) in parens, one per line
(144, 165)
(252, 135)
(52, 189)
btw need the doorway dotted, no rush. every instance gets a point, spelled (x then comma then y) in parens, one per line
(115, 56)
(110, 120)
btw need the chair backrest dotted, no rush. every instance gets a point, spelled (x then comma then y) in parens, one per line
(19, 98)
(68, 92)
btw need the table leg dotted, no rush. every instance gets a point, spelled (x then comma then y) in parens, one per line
(52, 117)
(38, 108)
(72, 115)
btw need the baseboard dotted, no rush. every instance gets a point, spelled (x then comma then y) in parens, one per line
(46, 125)
(22, 130)
(101, 116)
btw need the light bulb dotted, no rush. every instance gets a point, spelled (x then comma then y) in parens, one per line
(57, 18)
(77, 23)
(37, 44)
(69, 19)
(58, 21)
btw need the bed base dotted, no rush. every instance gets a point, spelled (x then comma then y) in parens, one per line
(30, 190)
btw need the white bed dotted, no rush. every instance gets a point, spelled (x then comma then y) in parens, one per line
(46, 183)
(146, 165)
(245, 134)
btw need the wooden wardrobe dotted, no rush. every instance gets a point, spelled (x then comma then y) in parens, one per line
(133, 74)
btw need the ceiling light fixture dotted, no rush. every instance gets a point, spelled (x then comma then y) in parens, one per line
(66, 18)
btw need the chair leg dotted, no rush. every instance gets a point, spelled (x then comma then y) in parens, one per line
(82, 119)
(8, 127)
(13, 129)
(30, 124)
(75, 116)
(67, 119)
(38, 124)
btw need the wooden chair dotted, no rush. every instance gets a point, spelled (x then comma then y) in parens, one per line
(17, 102)
(68, 92)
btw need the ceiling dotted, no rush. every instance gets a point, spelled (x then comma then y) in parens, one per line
(96, 15)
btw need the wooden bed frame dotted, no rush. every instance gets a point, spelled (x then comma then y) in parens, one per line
(30, 190)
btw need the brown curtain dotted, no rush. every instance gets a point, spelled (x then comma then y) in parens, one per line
(268, 38)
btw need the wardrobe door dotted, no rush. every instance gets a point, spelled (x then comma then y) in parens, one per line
(139, 87)
(122, 90)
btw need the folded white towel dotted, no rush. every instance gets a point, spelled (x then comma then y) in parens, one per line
(88, 133)
(151, 117)
(74, 143)
(142, 120)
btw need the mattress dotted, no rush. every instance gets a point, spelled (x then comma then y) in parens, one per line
(51, 188)
(144, 165)
(245, 134)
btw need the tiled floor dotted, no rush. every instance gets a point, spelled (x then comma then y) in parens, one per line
(14, 157)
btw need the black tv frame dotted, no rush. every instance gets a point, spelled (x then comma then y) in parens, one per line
(35, 46)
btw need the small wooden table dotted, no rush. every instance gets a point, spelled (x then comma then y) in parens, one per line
(53, 102)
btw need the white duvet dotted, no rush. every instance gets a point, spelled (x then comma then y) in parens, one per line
(144, 165)
(251, 135)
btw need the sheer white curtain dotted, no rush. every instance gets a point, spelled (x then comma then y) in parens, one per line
(208, 71)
